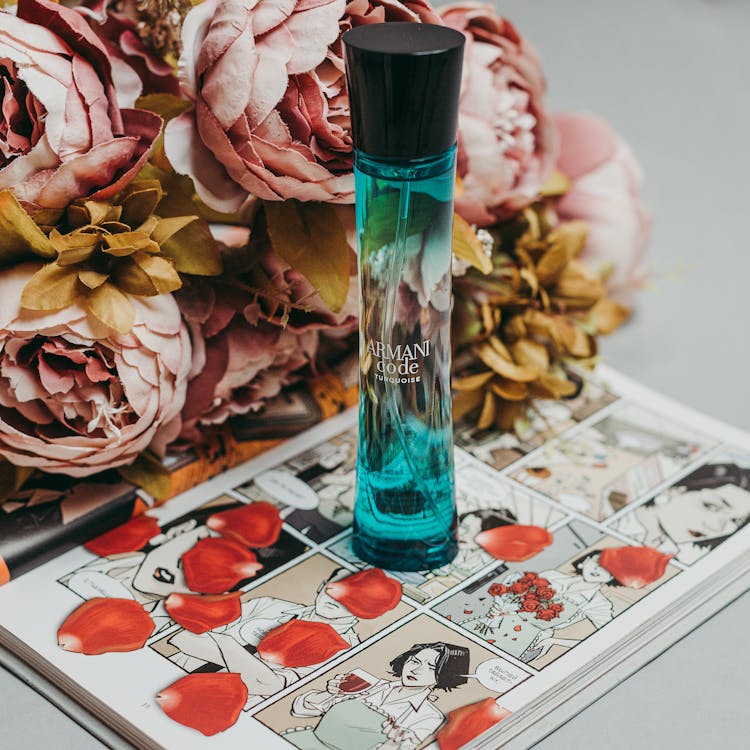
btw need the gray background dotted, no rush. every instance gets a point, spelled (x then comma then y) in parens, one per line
(673, 77)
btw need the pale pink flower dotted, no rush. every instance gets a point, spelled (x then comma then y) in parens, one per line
(237, 364)
(135, 67)
(506, 145)
(271, 115)
(65, 130)
(248, 346)
(75, 397)
(605, 193)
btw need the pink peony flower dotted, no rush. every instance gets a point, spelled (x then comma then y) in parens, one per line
(237, 364)
(63, 132)
(134, 66)
(506, 145)
(606, 180)
(76, 398)
(248, 346)
(271, 114)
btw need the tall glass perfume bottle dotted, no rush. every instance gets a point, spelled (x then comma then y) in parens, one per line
(404, 82)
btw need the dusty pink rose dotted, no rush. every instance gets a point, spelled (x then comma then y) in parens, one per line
(506, 145)
(606, 181)
(63, 132)
(271, 115)
(237, 364)
(246, 346)
(135, 67)
(76, 398)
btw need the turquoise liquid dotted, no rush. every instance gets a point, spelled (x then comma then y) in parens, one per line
(405, 513)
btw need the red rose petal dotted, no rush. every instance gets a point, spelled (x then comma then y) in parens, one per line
(201, 613)
(634, 567)
(299, 643)
(128, 537)
(468, 722)
(367, 594)
(254, 525)
(214, 566)
(514, 543)
(103, 625)
(209, 703)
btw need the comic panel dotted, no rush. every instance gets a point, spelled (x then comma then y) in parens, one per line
(395, 694)
(697, 513)
(286, 630)
(315, 489)
(538, 609)
(485, 501)
(614, 462)
(153, 566)
(543, 420)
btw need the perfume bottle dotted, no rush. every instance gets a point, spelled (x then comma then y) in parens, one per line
(404, 81)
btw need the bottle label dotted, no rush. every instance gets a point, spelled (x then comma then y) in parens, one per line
(401, 363)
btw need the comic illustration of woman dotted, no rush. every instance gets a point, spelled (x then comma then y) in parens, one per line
(695, 515)
(390, 714)
(149, 575)
(470, 555)
(529, 607)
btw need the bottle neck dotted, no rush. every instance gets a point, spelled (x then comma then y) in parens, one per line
(405, 169)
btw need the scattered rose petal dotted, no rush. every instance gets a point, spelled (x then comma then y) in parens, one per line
(514, 543)
(367, 594)
(199, 614)
(128, 537)
(634, 567)
(255, 525)
(468, 722)
(103, 625)
(214, 566)
(209, 703)
(299, 643)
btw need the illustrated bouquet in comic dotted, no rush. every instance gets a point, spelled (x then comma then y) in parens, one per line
(530, 594)
(178, 241)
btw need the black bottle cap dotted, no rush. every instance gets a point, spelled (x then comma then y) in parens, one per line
(404, 81)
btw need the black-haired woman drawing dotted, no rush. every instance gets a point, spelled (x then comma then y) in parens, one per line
(695, 515)
(388, 713)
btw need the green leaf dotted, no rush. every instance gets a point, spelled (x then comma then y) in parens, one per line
(187, 241)
(384, 216)
(127, 243)
(51, 288)
(74, 248)
(19, 234)
(110, 306)
(168, 106)
(139, 200)
(147, 275)
(92, 279)
(311, 239)
(12, 478)
(148, 473)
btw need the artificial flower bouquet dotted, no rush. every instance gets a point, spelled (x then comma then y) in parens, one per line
(178, 240)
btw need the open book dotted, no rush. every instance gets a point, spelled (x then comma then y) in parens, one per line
(601, 533)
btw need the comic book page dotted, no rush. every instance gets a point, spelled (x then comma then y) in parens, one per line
(250, 620)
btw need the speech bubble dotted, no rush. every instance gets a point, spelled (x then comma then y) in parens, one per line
(499, 675)
(287, 489)
(94, 583)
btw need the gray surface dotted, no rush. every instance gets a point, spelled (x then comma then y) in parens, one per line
(672, 76)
